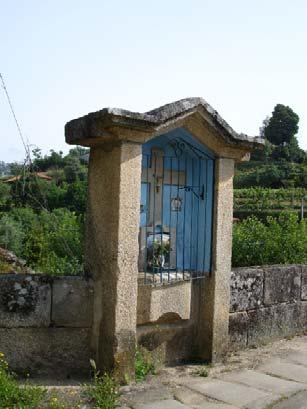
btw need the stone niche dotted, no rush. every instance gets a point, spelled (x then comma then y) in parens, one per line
(164, 304)
(160, 206)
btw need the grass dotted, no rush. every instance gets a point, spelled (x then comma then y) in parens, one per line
(14, 396)
(203, 371)
(54, 403)
(273, 404)
(144, 364)
(103, 391)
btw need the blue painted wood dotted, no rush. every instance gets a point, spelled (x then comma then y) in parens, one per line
(193, 223)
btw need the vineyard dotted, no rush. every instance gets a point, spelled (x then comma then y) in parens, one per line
(264, 202)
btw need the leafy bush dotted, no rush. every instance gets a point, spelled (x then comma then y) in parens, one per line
(11, 234)
(51, 242)
(278, 241)
(42, 221)
(5, 196)
(144, 364)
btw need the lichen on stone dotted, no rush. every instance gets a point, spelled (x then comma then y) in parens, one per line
(20, 296)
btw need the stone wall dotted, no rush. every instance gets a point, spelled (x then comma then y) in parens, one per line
(45, 324)
(267, 303)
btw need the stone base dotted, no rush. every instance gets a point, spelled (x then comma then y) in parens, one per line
(60, 352)
(169, 343)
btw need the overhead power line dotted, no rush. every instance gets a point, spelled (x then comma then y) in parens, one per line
(14, 116)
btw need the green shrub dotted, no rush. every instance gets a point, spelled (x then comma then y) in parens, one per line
(50, 242)
(5, 196)
(11, 234)
(202, 372)
(281, 240)
(144, 364)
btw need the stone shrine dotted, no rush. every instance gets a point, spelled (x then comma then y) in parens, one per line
(160, 204)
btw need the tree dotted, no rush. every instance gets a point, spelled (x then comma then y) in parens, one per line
(43, 163)
(264, 125)
(73, 170)
(282, 126)
(290, 152)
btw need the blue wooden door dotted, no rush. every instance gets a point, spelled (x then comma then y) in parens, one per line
(177, 201)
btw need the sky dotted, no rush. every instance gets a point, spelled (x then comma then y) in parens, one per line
(63, 59)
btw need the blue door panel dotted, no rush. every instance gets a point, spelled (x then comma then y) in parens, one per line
(187, 208)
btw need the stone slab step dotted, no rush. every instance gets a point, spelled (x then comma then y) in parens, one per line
(214, 405)
(135, 398)
(297, 357)
(198, 401)
(298, 401)
(259, 380)
(285, 370)
(163, 404)
(235, 394)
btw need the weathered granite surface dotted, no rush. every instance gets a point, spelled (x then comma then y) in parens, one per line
(267, 303)
(282, 284)
(164, 303)
(72, 302)
(246, 289)
(25, 300)
(304, 283)
(62, 352)
(45, 323)
(169, 343)
(238, 330)
(278, 321)
(92, 124)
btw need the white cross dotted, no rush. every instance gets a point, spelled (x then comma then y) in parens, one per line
(156, 175)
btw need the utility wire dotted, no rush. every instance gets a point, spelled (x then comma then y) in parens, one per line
(25, 167)
(14, 116)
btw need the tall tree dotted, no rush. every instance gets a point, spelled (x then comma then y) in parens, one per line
(282, 126)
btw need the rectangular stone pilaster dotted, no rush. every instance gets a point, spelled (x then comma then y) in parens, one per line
(214, 292)
(112, 253)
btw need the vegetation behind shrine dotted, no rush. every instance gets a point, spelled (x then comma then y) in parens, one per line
(42, 220)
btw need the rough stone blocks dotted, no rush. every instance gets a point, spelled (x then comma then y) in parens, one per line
(281, 284)
(304, 283)
(246, 289)
(25, 301)
(72, 302)
(238, 330)
(272, 323)
(62, 352)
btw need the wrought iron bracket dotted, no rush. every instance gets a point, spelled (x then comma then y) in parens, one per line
(201, 189)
